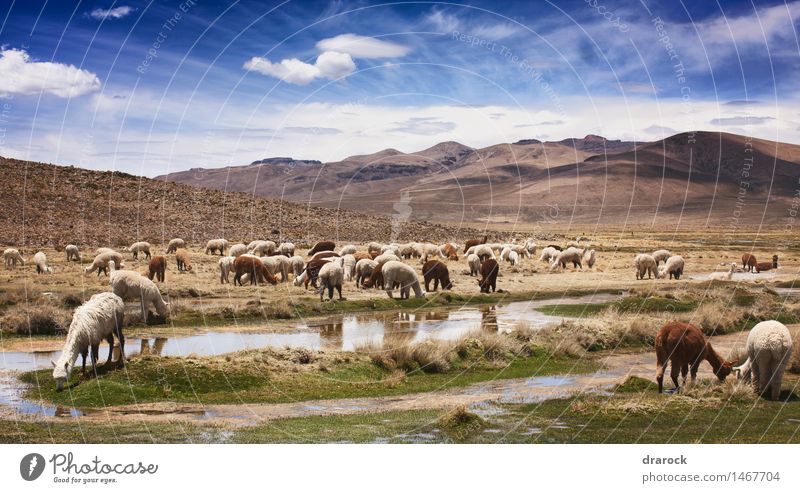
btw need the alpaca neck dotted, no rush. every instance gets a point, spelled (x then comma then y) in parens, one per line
(714, 358)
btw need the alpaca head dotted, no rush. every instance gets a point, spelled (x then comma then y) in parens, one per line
(775, 261)
(724, 370)
(61, 374)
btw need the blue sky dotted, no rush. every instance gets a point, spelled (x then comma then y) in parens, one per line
(151, 87)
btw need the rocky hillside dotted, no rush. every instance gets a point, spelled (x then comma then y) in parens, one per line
(44, 204)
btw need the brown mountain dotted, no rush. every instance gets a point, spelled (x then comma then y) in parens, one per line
(53, 205)
(691, 177)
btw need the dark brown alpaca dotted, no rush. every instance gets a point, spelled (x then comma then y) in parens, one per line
(762, 266)
(684, 345)
(375, 280)
(471, 243)
(435, 271)
(253, 267)
(321, 246)
(312, 271)
(324, 254)
(156, 268)
(489, 271)
(749, 262)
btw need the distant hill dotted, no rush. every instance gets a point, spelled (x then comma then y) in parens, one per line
(690, 177)
(45, 204)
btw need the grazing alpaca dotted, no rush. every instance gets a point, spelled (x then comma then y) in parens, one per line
(331, 276)
(399, 274)
(218, 245)
(364, 268)
(749, 262)
(254, 268)
(684, 345)
(174, 244)
(489, 271)
(449, 251)
(473, 242)
(645, 264)
(311, 273)
(157, 267)
(130, 285)
(764, 266)
(225, 268)
(102, 262)
(375, 279)
(661, 256)
(40, 260)
(769, 348)
(140, 247)
(182, 259)
(322, 246)
(73, 254)
(97, 320)
(474, 264)
(11, 256)
(673, 266)
(436, 271)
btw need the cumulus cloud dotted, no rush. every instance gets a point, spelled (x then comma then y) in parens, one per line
(423, 125)
(363, 46)
(23, 76)
(330, 65)
(741, 120)
(115, 13)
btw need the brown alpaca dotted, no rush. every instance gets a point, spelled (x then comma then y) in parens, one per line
(749, 262)
(471, 243)
(253, 267)
(684, 345)
(375, 280)
(182, 259)
(156, 268)
(450, 251)
(489, 271)
(763, 266)
(362, 256)
(324, 254)
(322, 246)
(435, 271)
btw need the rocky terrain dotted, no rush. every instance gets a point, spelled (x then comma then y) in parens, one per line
(49, 205)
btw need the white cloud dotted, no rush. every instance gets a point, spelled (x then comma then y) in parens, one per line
(331, 65)
(22, 76)
(115, 13)
(741, 120)
(363, 46)
(443, 22)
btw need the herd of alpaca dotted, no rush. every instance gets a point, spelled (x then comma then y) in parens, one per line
(383, 266)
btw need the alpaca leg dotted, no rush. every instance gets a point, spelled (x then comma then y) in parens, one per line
(764, 374)
(121, 339)
(95, 357)
(695, 367)
(684, 372)
(84, 354)
(110, 340)
(330, 292)
(339, 289)
(755, 375)
(674, 372)
(660, 376)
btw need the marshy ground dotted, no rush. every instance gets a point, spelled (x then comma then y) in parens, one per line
(588, 378)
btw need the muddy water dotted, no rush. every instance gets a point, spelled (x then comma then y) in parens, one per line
(336, 333)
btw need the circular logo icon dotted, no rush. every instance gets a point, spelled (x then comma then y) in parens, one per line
(31, 467)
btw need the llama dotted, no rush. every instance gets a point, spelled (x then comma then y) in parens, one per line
(218, 245)
(140, 247)
(182, 260)
(225, 268)
(98, 319)
(645, 264)
(474, 242)
(298, 265)
(489, 271)
(73, 254)
(254, 268)
(661, 256)
(395, 272)
(364, 268)
(40, 260)
(102, 262)
(130, 285)
(684, 345)
(749, 262)
(237, 249)
(436, 271)
(174, 244)
(449, 251)
(11, 256)
(673, 266)
(769, 348)
(331, 277)
(375, 279)
(157, 267)
(474, 263)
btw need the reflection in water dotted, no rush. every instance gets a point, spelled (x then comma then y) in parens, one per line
(489, 319)
(156, 349)
(331, 336)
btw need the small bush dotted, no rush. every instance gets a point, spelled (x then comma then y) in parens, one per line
(36, 319)
(460, 418)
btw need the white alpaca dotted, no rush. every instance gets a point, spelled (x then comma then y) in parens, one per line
(395, 272)
(40, 260)
(483, 252)
(589, 258)
(298, 265)
(375, 247)
(364, 268)
(429, 250)
(263, 248)
(673, 266)
(661, 256)
(645, 264)
(11, 256)
(97, 320)
(769, 348)
(286, 249)
(140, 247)
(571, 255)
(103, 261)
(225, 268)
(330, 277)
(130, 285)
(174, 244)
(530, 248)
(723, 276)
(103, 250)
(72, 253)
(347, 249)
(349, 266)
(237, 249)
(474, 263)
(549, 254)
(283, 265)
(386, 257)
(218, 245)
(513, 258)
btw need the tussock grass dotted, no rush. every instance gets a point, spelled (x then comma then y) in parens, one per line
(35, 319)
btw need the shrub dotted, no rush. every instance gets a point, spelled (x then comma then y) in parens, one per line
(36, 319)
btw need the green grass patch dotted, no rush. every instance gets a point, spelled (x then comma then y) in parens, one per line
(134, 431)
(149, 379)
